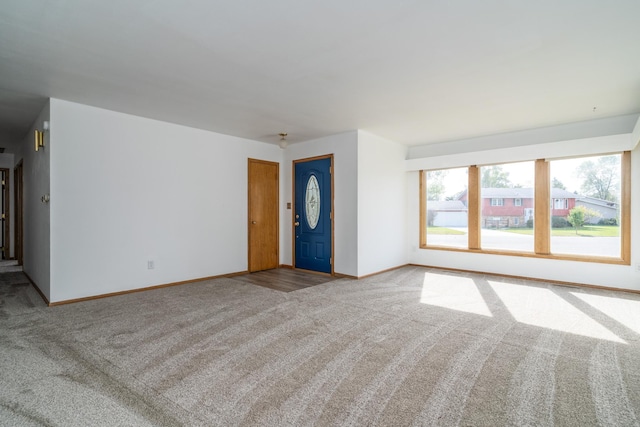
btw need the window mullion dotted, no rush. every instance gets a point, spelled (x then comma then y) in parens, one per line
(423, 209)
(542, 208)
(474, 207)
(625, 207)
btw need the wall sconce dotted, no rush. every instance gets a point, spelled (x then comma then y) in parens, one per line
(39, 135)
(38, 139)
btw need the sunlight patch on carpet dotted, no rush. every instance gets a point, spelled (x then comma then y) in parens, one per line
(453, 292)
(538, 306)
(624, 311)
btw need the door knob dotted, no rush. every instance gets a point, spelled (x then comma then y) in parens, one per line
(296, 223)
(253, 222)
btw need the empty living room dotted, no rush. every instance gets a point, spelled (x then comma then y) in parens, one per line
(315, 213)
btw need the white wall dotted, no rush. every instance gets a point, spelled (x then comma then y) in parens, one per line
(618, 276)
(36, 178)
(125, 190)
(344, 147)
(530, 137)
(382, 204)
(559, 149)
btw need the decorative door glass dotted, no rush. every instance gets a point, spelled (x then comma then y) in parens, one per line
(312, 202)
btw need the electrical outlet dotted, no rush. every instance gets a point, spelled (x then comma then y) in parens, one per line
(151, 264)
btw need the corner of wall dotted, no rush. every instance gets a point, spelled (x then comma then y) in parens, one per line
(635, 134)
(382, 204)
(36, 217)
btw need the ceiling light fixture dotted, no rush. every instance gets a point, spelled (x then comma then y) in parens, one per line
(283, 140)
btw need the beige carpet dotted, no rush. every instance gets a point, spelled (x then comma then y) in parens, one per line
(412, 347)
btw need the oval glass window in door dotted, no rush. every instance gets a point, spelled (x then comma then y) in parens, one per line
(312, 202)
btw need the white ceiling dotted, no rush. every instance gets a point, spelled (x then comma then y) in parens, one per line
(416, 72)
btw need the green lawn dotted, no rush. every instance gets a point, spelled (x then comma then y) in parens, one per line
(587, 231)
(443, 230)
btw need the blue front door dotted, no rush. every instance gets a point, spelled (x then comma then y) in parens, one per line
(313, 215)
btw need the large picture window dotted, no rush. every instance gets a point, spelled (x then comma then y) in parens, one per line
(446, 207)
(503, 225)
(586, 221)
(571, 209)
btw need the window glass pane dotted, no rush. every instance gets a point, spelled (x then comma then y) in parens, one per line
(507, 206)
(312, 202)
(585, 201)
(447, 216)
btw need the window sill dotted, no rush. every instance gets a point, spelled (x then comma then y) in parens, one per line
(559, 257)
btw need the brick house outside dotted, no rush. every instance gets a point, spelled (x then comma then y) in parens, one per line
(513, 207)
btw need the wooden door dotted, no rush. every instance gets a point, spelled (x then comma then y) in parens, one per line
(263, 215)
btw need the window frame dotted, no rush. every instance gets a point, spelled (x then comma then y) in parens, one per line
(424, 208)
(517, 201)
(542, 216)
(496, 199)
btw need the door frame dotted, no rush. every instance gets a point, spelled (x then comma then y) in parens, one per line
(18, 186)
(250, 210)
(6, 212)
(293, 212)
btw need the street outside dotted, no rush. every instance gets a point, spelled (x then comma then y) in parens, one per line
(503, 240)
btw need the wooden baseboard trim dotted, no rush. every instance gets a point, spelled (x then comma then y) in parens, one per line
(345, 276)
(382, 271)
(287, 266)
(533, 279)
(37, 288)
(148, 288)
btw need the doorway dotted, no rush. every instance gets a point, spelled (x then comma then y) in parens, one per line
(19, 225)
(313, 214)
(264, 215)
(6, 225)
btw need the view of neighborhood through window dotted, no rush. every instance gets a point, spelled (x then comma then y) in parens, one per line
(507, 206)
(587, 213)
(585, 201)
(446, 215)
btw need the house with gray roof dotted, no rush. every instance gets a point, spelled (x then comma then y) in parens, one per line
(513, 207)
(447, 213)
(606, 208)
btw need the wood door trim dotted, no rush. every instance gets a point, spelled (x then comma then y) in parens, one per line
(293, 212)
(249, 208)
(7, 211)
(18, 184)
